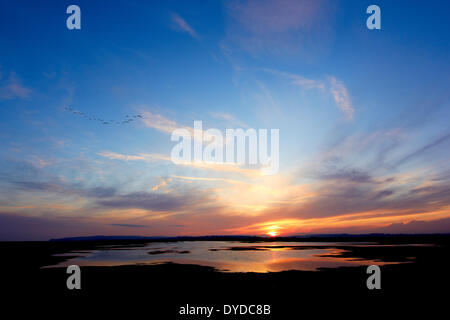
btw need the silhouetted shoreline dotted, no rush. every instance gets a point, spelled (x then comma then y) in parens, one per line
(309, 237)
(165, 287)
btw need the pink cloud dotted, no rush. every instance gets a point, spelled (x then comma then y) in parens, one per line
(274, 26)
(341, 97)
(183, 26)
(268, 16)
(12, 88)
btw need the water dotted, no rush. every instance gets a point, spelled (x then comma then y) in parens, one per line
(225, 256)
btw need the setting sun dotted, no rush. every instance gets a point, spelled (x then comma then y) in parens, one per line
(272, 231)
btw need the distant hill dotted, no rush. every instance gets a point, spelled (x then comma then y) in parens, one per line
(178, 238)
(302, 237)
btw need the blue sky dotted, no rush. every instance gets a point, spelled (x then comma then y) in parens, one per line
(363, 116)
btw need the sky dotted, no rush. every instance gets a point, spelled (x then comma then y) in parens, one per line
(363, 117)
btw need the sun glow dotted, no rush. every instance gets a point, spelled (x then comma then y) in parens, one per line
(272, 231)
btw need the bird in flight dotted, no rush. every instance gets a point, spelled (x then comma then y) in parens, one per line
(128, 119)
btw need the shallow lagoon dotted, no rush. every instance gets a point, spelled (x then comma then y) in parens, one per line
(226, 256)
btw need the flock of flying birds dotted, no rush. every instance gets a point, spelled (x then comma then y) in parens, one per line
(127, 119)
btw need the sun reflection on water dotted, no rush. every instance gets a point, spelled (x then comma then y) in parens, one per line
(225, 256)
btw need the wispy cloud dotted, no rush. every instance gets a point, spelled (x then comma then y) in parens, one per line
(128, 225)
(433, 226)
(299, 80)
(334, 86)
(222, 115)
(159, 122)
(341, 97)
(182, 26)
(220, 167)
(155, 201)
(231, 181)
(163, 183)
(141, 156)
(12, 88)
(229, 118)
(424, 149)
(163, 124)
(263, 16)
(270, 25)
